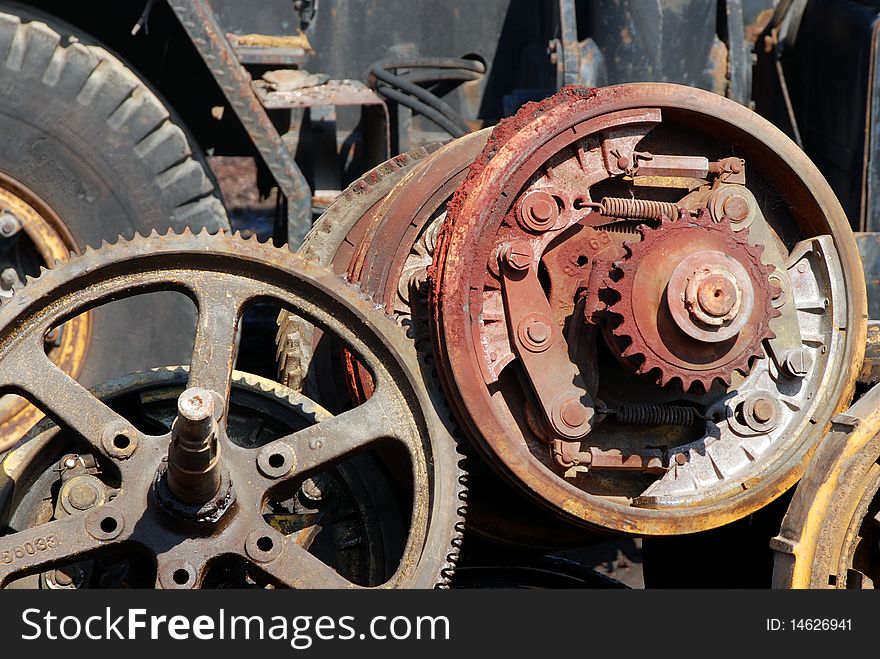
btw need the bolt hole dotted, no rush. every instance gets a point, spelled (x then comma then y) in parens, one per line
(121, 442)
(265, 543)
(180, 576)
(276, 461)
(109, 525)
(582, 261)
(717, 293)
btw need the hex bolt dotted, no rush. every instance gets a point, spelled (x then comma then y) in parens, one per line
(9, 225)
(517, 255)
(194, 455)
(797, 362)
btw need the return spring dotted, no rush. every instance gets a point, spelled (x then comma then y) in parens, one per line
(649, 414)
(636, 209)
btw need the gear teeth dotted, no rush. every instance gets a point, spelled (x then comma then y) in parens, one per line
(625, 329)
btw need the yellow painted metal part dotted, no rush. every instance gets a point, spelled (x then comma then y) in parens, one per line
(828, 500)
(52, 242)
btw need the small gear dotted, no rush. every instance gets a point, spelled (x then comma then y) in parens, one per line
(694, 302)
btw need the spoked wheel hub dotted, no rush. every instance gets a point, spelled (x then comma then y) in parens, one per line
(189, 497)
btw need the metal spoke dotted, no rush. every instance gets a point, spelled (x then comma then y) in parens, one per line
(215, 343)
(328, 442)
(58, 542)
(295, 567)
(64, 399)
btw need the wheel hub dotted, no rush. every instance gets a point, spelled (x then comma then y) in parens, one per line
(191, 466)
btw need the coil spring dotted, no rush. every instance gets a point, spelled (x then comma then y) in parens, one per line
(624, 227)
(650, 414)
(638, 209)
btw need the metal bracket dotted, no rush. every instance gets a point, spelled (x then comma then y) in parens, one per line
(201, 25)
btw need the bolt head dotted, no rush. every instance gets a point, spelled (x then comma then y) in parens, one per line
(736, 208)
(572, 413)
(518, 255)
(762, 410)
(62, 578)
(82, 495)
(316, 488)
(538, 331)
(538, 210)
(798, 362)
(9, 225)
(8, 278)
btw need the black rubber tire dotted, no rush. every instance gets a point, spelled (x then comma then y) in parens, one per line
(89, 137)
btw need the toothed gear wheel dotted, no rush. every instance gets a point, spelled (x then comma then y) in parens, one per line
(224, 274)
(694, 302)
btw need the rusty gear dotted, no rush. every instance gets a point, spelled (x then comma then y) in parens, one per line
(695, 302)
(224, 274)
(380, 235)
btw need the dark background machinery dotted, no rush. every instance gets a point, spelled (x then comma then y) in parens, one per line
(319, 91)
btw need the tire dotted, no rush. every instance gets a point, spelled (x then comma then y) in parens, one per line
(101, 150)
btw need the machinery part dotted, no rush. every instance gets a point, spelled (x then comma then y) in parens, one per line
(829, 535)
(355, 525)
(401, 90)
(380, 234)
(90, 152)
(647, 414)
(200, 23)
(637, 209)
(710, 283)
(356, 205)
(222, 275)
(655, 143)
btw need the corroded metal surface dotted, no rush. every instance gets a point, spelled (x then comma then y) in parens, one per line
(828, 537)
(198, 19)
(345, 515)
(381, 236)
(694, 302)
(749, 436)
(42, 238)
(222, 276)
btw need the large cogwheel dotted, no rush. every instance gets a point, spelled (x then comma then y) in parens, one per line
(192, 497)
(694, 301)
